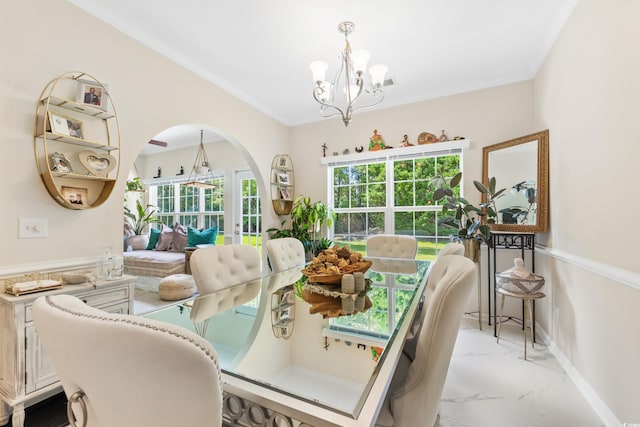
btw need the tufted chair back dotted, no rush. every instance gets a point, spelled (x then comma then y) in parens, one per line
(285, 253)
(453, 248)
(128, 371)
(218, 267)
(392, 246)
(414, 394)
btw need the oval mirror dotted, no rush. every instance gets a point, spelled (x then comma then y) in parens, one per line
(521, 167)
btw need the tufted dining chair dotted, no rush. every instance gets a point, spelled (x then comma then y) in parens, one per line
(452, 248)
(392, 246)
(285, 253)
(413, 398)
(128, 371)
(218, 267)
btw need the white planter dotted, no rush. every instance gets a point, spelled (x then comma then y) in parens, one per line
(138, 242)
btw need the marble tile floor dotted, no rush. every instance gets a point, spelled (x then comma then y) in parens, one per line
(490, 384)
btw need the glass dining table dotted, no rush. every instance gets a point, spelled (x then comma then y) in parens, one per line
(301, 354)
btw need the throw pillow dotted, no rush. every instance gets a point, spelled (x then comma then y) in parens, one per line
(202, 237)
(179, 241)
(154, 236)
(165, 240)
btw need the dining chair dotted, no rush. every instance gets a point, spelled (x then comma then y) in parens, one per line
(452, 248)
(128, 371)
(218, 267)
(413, 398)
(285, 253)
(392, 246)
(435, 274)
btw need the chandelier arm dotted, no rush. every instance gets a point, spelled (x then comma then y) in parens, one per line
(325, 105)
(376, 93)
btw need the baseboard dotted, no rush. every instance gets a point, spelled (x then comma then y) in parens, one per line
(602, 410)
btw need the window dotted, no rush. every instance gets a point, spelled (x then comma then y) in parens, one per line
(190, 206)
(390, 196)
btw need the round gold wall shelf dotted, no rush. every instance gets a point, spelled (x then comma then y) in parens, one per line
(77, 140)
(282, 184)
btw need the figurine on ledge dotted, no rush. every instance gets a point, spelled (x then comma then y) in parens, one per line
(376, 142)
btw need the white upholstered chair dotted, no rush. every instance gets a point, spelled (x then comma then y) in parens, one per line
(453, 248)
(392, 246)
(128, 371)
(218, 267)
(285, 253)
(413, 398)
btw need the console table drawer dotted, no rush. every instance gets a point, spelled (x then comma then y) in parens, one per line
(94, 299)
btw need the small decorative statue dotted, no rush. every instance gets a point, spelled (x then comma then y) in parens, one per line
(324, 149)
(443, 137)
(359, 149)
(518, 269)
(405, 142)
(376, 142)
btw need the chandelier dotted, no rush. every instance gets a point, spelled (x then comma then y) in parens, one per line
(348, 84)
(200, 175)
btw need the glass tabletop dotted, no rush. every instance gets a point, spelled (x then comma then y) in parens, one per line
(305, 340)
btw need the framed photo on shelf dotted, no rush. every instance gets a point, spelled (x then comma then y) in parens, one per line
(284, 194)
(92, 94)
(283, 162)
(283, 178)
(59, 163)
(75, 195)
(65, 126)
(58, 124)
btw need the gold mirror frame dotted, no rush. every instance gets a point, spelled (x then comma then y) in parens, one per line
(542, 202)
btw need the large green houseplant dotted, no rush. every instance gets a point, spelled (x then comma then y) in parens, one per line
(137, 222)
(471, 222)
(306, 222)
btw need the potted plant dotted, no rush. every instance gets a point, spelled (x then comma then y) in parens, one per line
(471, 222)
(134, 184)
(306, 219)
(137, 222)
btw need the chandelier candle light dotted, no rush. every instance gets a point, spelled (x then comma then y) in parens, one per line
(200, 173)
(352, 67)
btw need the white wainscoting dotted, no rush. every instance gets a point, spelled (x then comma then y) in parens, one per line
(609, 272)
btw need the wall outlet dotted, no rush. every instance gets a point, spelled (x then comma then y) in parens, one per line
(33, 228)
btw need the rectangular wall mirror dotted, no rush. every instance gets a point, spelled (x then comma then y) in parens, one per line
(521, 166)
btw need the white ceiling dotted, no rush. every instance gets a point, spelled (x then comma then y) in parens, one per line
(260, 50)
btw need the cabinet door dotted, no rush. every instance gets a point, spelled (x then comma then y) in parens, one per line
(39, 371)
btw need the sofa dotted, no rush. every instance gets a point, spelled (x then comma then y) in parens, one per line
(164, 255)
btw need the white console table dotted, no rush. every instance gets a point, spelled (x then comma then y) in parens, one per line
(26, 375)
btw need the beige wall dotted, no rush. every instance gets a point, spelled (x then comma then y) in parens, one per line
(587, 95)
(485, 117)
(43, 39)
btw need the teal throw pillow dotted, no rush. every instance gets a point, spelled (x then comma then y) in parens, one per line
(153, 239)
(204, 237)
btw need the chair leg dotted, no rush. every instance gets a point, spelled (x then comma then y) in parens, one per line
(524, 324)
(500, 321)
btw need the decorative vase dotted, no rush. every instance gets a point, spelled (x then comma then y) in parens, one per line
(138, 242)
(472, 249)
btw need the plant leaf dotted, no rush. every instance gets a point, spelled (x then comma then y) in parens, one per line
(455, 181)
(481, 188)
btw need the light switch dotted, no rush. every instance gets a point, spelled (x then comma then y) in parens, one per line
(33, 228)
